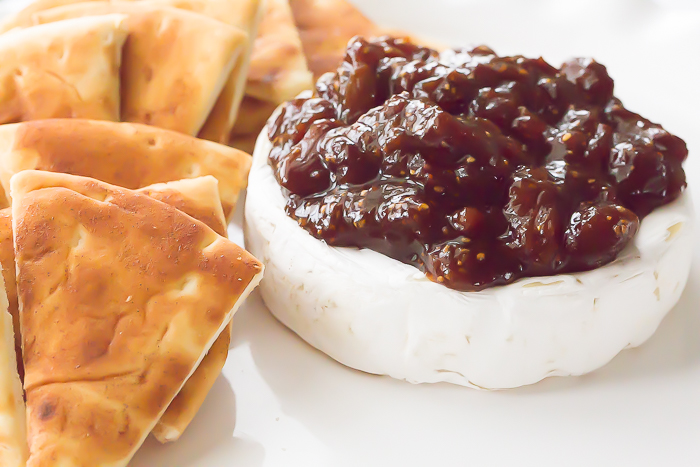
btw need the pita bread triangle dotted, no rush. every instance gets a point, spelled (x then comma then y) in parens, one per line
(13, 441)
(175, 62)
(62, 70)
(142, 293)
(124, 154)
(242, 14)
(197, 197)
(278, 70)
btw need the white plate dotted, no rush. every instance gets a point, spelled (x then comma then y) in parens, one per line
(280, 403)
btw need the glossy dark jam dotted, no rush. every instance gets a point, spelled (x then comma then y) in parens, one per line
(475, 168)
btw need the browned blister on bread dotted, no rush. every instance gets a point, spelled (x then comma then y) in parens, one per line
(121, 296)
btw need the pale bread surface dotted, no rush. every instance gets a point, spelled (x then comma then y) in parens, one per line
(67, 69)
(111, 339)
(23, 17)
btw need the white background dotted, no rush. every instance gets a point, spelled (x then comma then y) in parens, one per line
(280, 403)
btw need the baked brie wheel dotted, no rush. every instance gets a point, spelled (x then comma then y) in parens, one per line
(375, 314)
(463, 217)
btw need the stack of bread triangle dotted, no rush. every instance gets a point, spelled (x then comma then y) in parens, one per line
(120, 285)
(178, 65)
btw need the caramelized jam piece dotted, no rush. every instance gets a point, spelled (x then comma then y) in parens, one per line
(475, 168)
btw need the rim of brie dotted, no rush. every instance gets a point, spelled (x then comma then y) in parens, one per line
(375, 314)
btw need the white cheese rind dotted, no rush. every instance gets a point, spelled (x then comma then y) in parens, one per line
(378, 315)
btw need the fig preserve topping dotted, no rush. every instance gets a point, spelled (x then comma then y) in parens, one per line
(475, 168)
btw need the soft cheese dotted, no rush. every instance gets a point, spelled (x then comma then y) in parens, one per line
(375, 314)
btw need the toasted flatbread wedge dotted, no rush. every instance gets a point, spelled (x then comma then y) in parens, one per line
(197, 197)
(325, 27)
(67, 69)
(175, 62)
(278, 70)
(13, 433)
(125, 154)
(121, 298)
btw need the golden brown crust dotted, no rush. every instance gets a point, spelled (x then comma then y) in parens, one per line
(278, 70)
(125, 154)
(121, 297)
(325, 27)
(199, 198)
(66, 69)
(175, 62)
